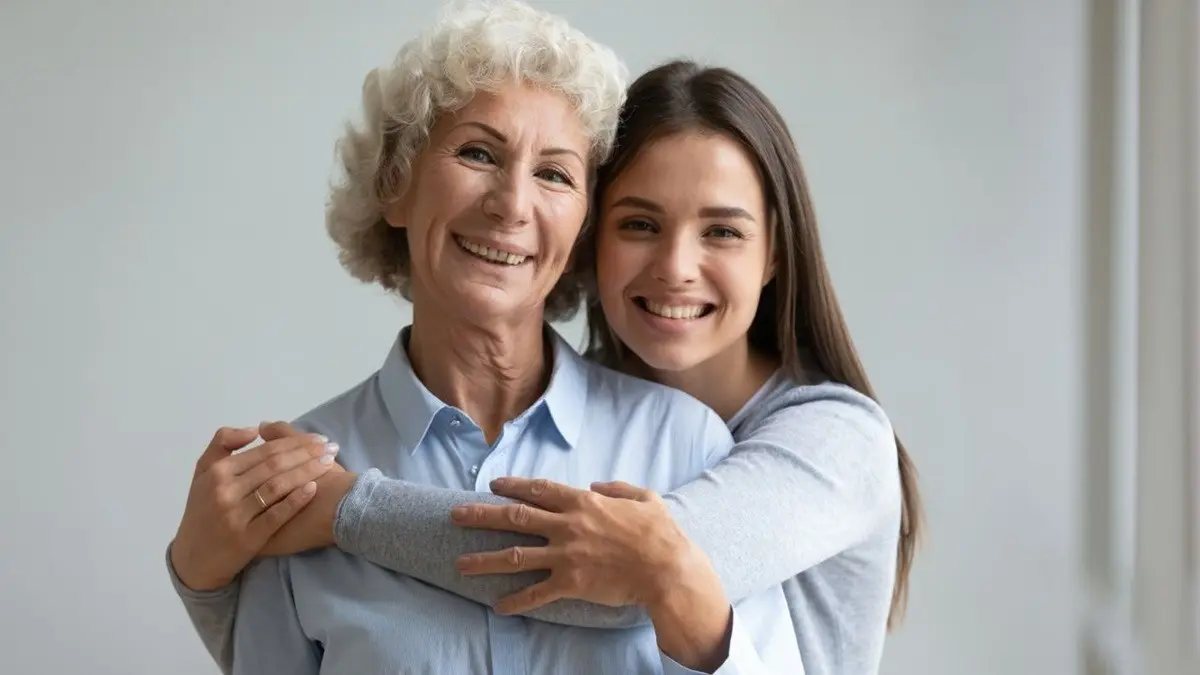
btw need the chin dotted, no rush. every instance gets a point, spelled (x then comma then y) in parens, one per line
(668, 360)
(484, 304)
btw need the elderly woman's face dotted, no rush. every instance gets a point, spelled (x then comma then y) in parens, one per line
(496, 201)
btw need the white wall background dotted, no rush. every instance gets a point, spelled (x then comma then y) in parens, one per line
(164, 271)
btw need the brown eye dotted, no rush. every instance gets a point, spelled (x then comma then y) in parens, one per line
(476, 154)
(724, 232)
(637, 225)
(555, 176)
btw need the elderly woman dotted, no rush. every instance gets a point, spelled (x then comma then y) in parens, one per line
(465, 190)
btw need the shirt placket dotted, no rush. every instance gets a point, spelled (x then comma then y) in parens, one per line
(507, 635)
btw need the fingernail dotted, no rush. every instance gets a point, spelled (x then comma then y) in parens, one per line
(326, 459)
(499, 483)
(462, 563)
(310, 487)
(458, 512)
(332, 448)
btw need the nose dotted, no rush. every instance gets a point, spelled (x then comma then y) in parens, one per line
(510, 201)
(677, 261)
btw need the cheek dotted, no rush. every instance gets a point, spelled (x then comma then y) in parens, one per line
(741, 285)
(617, 264)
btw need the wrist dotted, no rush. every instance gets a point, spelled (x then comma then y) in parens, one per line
(690, 612)
(192, 579)
(333, 486)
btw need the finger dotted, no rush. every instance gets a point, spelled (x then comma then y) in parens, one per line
(528, 599)
(508, 561)
(268, 522)
(243, 462)
(225, 441)
(507, 517)
(621, 490)
(270, 476)
(271, 431)
(539, 491)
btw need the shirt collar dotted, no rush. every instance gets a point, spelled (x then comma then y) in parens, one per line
(412, 407)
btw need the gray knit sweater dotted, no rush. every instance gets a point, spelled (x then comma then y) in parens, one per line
(809, 496)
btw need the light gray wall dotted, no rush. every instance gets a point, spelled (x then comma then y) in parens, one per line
(163, 271)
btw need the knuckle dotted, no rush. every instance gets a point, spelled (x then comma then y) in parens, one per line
(276, 463)
(589, 500)
(520, 514)
(516, 558)
(272, 490)
(221, 471)
(539, 486)
(224, 497)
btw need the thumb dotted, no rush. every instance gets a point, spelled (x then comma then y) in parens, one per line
(621, 490)
(225, 441)
(273, 431)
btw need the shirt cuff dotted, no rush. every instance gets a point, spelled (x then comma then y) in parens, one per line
(348, 520)
(216, 594)
(742, 658)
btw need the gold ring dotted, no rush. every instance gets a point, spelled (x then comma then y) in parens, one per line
(260, 498)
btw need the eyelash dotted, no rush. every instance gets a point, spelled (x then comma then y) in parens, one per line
(729, 232)
(558, 176)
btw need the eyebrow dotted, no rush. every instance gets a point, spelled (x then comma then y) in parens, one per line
(495, 133)
(705, 212)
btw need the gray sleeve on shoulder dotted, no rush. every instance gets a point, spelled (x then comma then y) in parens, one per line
(212, 614)
(817, 476)
(814, 479)
(406, 527)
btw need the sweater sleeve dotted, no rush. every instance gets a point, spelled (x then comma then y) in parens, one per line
(812, 478)
(212, 614)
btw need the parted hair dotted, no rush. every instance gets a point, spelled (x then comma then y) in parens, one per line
(474, 46)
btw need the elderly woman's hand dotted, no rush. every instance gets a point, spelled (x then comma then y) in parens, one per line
(238, 501)
(615, 545)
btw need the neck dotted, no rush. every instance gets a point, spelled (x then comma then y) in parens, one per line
(726, 381)
(491, 375)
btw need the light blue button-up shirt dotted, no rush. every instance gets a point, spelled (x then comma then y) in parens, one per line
(330, 612)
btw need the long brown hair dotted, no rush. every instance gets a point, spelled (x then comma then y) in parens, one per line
(798, 318)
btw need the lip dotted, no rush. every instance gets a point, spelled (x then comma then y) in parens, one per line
(496, 245)
(667, 326)
(674, 300)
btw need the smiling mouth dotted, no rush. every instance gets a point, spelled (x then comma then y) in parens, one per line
(677, 312)
(494, 256)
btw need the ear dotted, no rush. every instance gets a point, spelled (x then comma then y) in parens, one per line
(769, 272)
(394, 212)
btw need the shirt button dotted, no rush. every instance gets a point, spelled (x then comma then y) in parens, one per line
(475, 470)
(455, 422)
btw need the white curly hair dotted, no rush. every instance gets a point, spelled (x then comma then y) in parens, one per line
(474, 46)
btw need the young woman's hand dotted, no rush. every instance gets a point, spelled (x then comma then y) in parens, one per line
(312, 527)
(238, 501)
(614, 545)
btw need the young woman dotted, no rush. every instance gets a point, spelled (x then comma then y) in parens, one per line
(709, 277)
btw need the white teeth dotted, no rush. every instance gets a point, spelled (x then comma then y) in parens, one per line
(491, 254)
(675, 312)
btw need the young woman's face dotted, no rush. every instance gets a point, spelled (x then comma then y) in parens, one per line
(684, 250)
